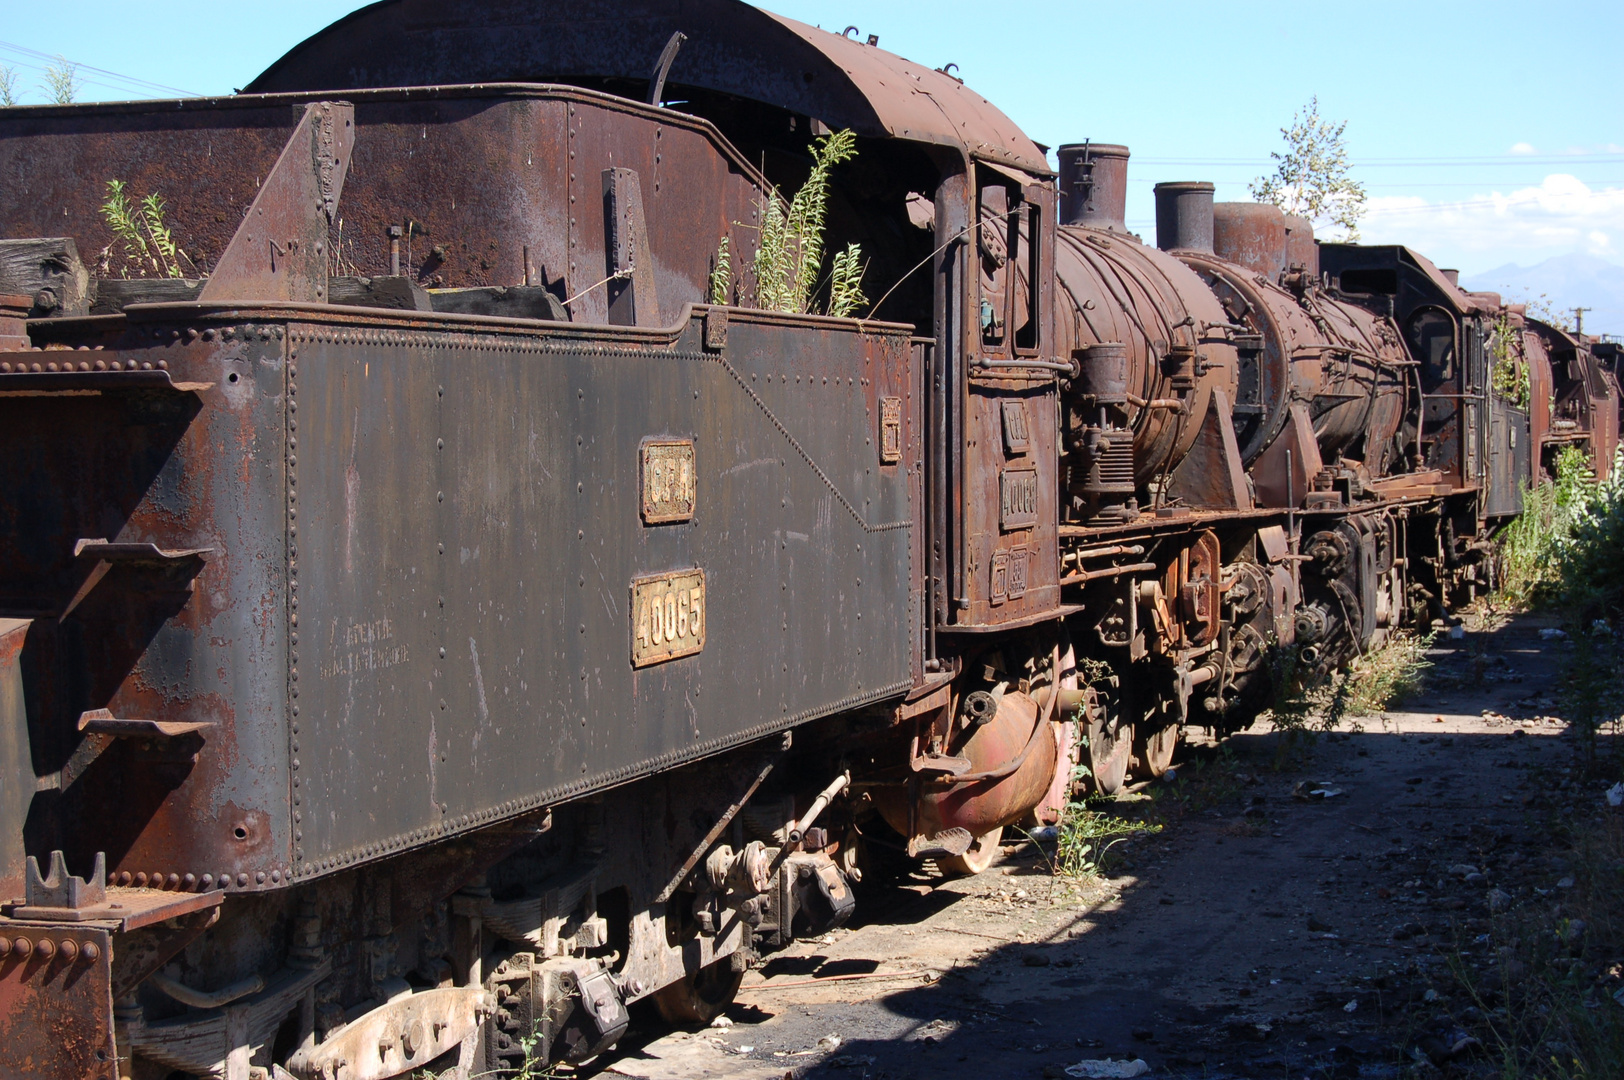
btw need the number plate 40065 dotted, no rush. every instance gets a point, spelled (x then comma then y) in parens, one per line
(668, 616)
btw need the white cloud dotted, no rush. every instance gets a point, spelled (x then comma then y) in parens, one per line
(1561, 214)
(1522, 148)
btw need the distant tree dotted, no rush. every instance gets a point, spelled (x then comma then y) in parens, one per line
(62, 81)
(8, 86)
(1311, 178)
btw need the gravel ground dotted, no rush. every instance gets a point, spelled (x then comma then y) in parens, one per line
(1263, 933)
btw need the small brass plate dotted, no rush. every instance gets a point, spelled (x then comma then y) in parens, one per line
(668, 616)
(890, 430)
(669, 487)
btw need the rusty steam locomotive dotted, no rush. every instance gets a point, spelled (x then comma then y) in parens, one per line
(437, 627)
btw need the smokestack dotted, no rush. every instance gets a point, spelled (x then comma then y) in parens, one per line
(1452, 276)
(1094, 186)
(1184, 216)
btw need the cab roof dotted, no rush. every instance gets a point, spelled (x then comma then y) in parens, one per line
(732, 48)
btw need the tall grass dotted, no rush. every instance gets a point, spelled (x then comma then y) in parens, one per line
(788, 265)
(1563, 551)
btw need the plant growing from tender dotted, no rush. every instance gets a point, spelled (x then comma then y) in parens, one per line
(788, 265)
(145, 239)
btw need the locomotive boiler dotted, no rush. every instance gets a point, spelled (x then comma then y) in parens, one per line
(450, 607)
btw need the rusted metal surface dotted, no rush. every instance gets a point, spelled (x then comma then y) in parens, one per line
(1445, 332)
(455, 578)
(15, 759)
(1348, 363)
(13, 314)
(129, 456)
(399, 1035)
(1252, 235)
(1113, 289)
(1012, 760)
(732, 49)
(205, 158)
(1010, 478)
(56, 997)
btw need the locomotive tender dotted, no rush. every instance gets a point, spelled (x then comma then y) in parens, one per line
(437, 627)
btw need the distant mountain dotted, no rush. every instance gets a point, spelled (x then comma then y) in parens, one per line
(1567, 281)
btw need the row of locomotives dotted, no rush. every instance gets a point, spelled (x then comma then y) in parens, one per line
(1572, 395)
(1498, 395)
(1237, 490)
(464, 602)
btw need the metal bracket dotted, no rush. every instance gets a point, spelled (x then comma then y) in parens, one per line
(280, 250)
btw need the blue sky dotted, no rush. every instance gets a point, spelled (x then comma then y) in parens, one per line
(1487, 133)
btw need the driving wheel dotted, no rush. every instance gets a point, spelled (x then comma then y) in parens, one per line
(1155, 750)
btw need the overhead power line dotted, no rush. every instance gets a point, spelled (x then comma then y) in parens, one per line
(1593, 182)
(124, 83)
(1402, 163)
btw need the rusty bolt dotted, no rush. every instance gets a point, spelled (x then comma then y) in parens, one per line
(5, 947)
(173, 880)
(92, 951)
(46, 948)
(22, 947)
(70, 950)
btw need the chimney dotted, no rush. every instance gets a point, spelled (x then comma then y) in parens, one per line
(1452, 276)
(1184, 216)
(1094, 186)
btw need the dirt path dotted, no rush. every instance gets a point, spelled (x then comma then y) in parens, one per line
(1261, 933)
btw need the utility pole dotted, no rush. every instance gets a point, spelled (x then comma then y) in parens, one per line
(1579, 319)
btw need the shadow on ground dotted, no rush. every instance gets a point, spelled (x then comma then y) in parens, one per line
(1266, 932)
